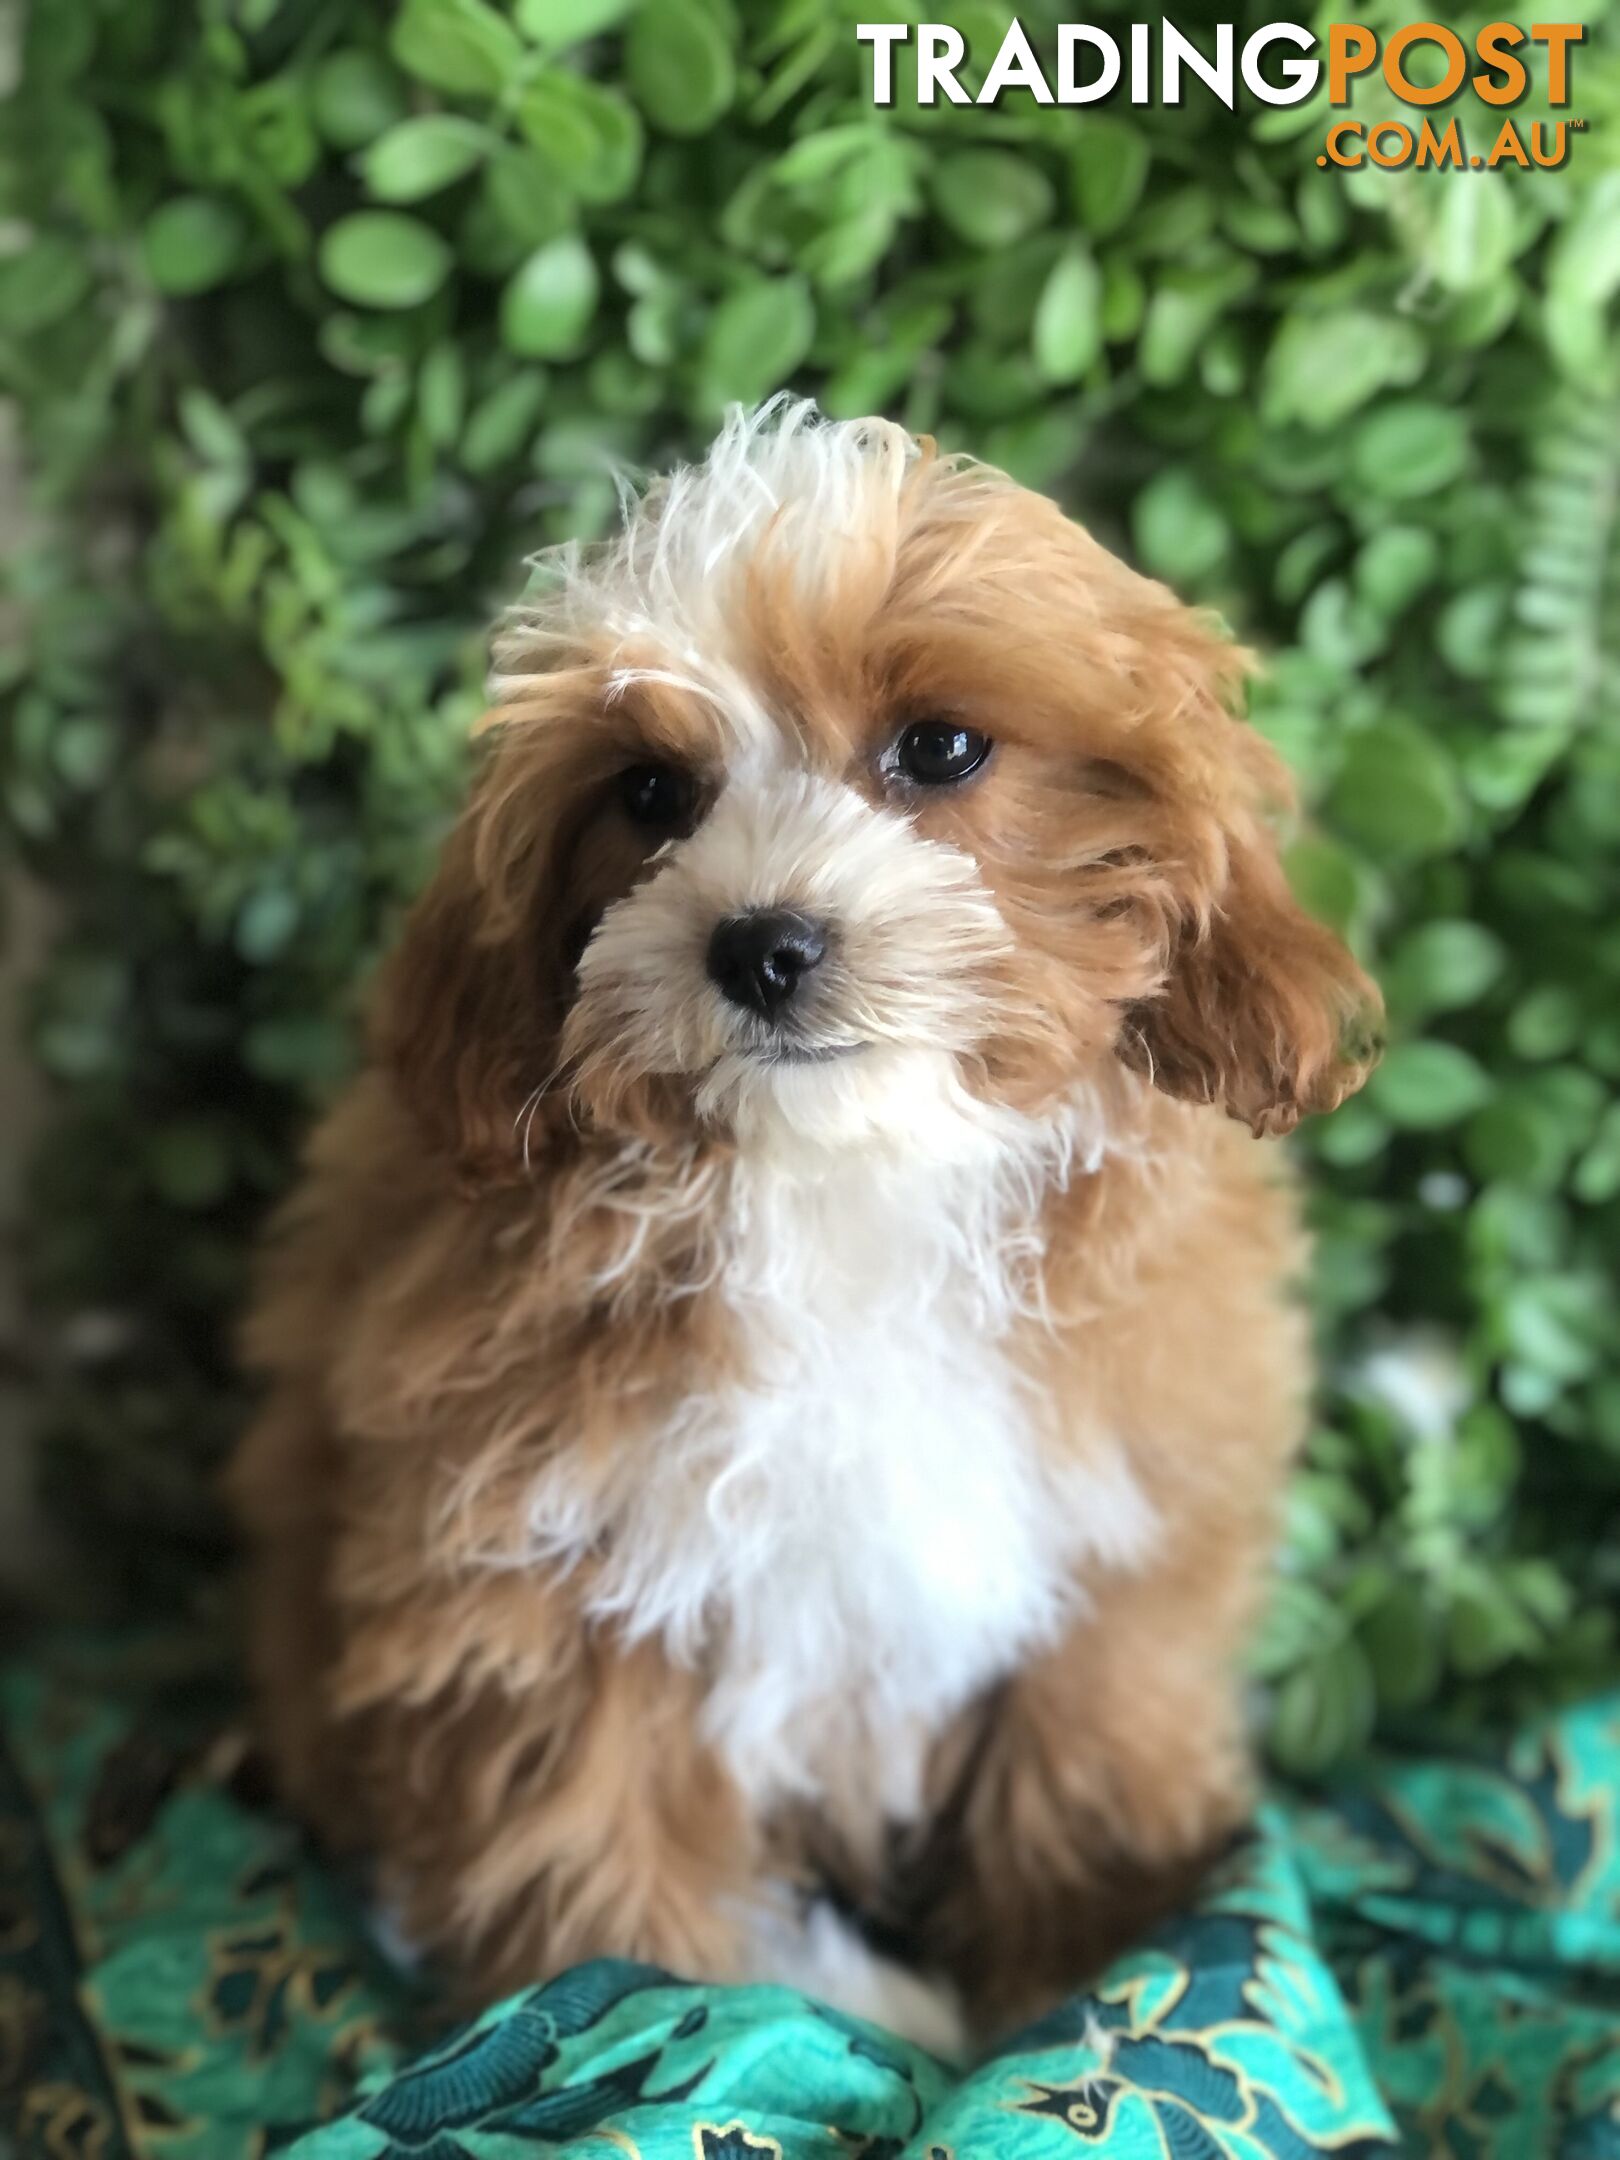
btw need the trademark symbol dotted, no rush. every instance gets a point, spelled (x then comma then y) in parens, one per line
(1579, 126)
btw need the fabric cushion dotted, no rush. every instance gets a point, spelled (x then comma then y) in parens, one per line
(1428, 1960)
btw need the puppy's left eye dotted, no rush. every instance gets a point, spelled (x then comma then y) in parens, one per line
(936, 752)
(659, 797)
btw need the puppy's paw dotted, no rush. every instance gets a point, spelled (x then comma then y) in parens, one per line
(822, 1954)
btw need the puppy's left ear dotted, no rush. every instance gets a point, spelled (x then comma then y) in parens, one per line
(469, 1002)
(1263, 1010)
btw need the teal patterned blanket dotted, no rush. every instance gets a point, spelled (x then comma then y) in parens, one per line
(1425, 1961)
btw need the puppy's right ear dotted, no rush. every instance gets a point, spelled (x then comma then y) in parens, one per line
(469, 1002)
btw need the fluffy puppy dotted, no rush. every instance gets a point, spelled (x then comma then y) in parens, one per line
(780, 1369)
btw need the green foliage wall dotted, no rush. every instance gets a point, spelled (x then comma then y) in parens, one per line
(318, 314)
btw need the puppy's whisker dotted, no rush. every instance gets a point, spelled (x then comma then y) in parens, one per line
(528, 1125)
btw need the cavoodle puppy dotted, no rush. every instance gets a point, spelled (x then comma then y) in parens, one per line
(781, 1368)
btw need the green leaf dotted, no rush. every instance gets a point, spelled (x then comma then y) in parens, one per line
(386, 401)
(1181, 318)
(1322, 368)
(71, 1048)
(1396, 564)
(1068, 327)
(1397, 793)
(1108, 169)
(1409, 449)
(1557, 1325)
(756, 338)
(1425, 1086)
(211, 430)
(550, 303)
(1468, 631)
(620, 384)
(1486, 1627)
(989, 385)
(1480, 317)
(463, 46)
(1262, 228)
(1578, 337)
(1038, 449)
(1441, 966)
(1324, 875)
(1473, 239)
(1481, 1467)
(1176, 228)
(193, 243)
(1124, 299)
(56, 46)
(41, 283)
(441, 394)
(1583, 266)
(679, 64)
(1401, 1641)
(558, 24)
(355, 96)
(384, 259)
(1547, 1022)
(1180, 533)
(84, 749)
(1324, 1711)
(1597, 1175)
(1519, 1138)
(1351, 1135)
(527, 196)
(298, 1050)
(1339, 629)
(420, 156)
(1578, 1096)
(589, 135)
(190, 1164)
(1299, 1622)
(266, 924)
(500, 429)
(991, 198)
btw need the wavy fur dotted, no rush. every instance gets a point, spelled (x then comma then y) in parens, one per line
(692, 1479)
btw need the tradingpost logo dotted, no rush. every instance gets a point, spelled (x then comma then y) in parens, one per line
(1420, 67)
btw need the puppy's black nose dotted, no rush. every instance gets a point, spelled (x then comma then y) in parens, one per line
(760, 959)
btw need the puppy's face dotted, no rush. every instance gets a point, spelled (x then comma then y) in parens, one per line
(857, 793)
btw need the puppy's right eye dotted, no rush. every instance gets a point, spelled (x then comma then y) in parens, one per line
(659, 797)
(935, 753)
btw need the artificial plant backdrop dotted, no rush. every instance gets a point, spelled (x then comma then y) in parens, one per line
(319, 314)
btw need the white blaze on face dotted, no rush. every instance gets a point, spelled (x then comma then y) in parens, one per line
(825, 497)
(872, 1515)
(910, 928)
(900, 995)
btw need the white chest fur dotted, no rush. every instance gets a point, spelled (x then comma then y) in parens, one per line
(885, 1520)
